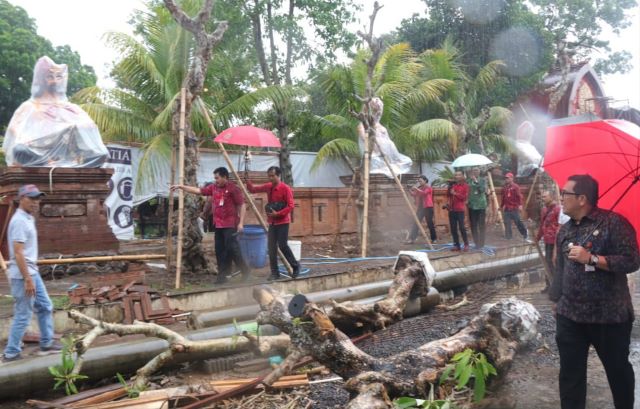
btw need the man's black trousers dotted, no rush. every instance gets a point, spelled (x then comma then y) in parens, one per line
(477, 219)
(228, 251)
(611, 342)
(278, 236)
(456, 222)
(424, 212)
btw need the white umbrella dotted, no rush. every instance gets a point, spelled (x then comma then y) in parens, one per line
(471, 159)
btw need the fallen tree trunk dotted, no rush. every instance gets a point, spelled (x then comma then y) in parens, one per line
(178, 344)
(410, 281)
(496, 331)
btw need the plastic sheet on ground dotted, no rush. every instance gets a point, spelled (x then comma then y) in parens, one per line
(423, 259)
(517, 317)
(48, 130)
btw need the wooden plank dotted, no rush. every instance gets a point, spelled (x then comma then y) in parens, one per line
(79, 396)
(103, 397)
(157, 402)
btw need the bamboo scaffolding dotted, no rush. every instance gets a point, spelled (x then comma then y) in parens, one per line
(261, 220)
(183, 98)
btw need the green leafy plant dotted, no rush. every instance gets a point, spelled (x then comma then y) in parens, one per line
(407, 402)
(466, 365)
(63, 374)
(132, 391)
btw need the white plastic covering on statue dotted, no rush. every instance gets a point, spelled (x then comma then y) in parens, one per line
(528, 156)
(48, 130)
(399, 163)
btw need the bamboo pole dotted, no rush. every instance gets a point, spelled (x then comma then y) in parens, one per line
(345, 212)
(169, 257)
(533, 185)
(365, 210)
(261, 220)
(494, 196)
(183, 98)
(99, 259)
(406, 198)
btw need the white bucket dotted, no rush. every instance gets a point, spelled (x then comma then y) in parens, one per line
(296, 248)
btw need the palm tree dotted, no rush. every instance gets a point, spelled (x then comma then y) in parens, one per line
(398, 82)
(478, 127)
(149, 75)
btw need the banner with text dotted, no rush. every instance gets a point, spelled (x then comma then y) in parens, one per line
(119, 203)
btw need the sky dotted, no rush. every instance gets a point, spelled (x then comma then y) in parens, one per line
(83, 23)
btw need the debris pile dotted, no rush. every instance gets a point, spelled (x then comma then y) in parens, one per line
(129, 289)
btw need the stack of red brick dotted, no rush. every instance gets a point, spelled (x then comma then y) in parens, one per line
(129, 289)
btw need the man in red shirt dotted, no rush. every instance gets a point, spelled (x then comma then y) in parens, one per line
(228, 210)
(549, 227)
(458, 193)
(424, 193)
(279, 207)
(511, 207)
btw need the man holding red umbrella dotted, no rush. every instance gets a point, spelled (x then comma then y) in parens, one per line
(596, 250)
(279, 207)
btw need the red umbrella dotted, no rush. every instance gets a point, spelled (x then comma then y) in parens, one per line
(609, 151)
(248, 136)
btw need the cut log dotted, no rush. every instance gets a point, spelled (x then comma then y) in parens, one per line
(496, 331)
(409, 281)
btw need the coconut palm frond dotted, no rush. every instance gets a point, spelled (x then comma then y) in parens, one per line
(499, 117)
(156, 156)
(163, 119)
(499, 143)
(138, 63)
(444, 175)
(426, 93)
(336, 149)
(335, 126)
(435, 131)
(244, 107)
(119, 124)
(488, 76)
(396, 64)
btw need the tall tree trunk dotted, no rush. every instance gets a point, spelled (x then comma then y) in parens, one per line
(285, 154)
(287, 73)
(257, 38)
(194, 260)
(272, 44)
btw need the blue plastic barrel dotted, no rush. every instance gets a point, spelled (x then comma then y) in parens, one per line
(253, 245)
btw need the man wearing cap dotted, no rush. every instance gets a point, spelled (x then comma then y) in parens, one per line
(511, 207)
(27, 287)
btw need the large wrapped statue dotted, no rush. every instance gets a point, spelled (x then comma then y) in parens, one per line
(529, 158)
(48, 130)
(399, 163)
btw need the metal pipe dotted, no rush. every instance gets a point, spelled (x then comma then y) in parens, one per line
(31, 375)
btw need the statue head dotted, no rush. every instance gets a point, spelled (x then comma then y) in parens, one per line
(525, 132)
(49, 78)
(376, 106)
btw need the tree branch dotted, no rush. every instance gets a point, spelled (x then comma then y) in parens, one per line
(181, 17)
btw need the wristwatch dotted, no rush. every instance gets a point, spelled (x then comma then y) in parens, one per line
(593, 261)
